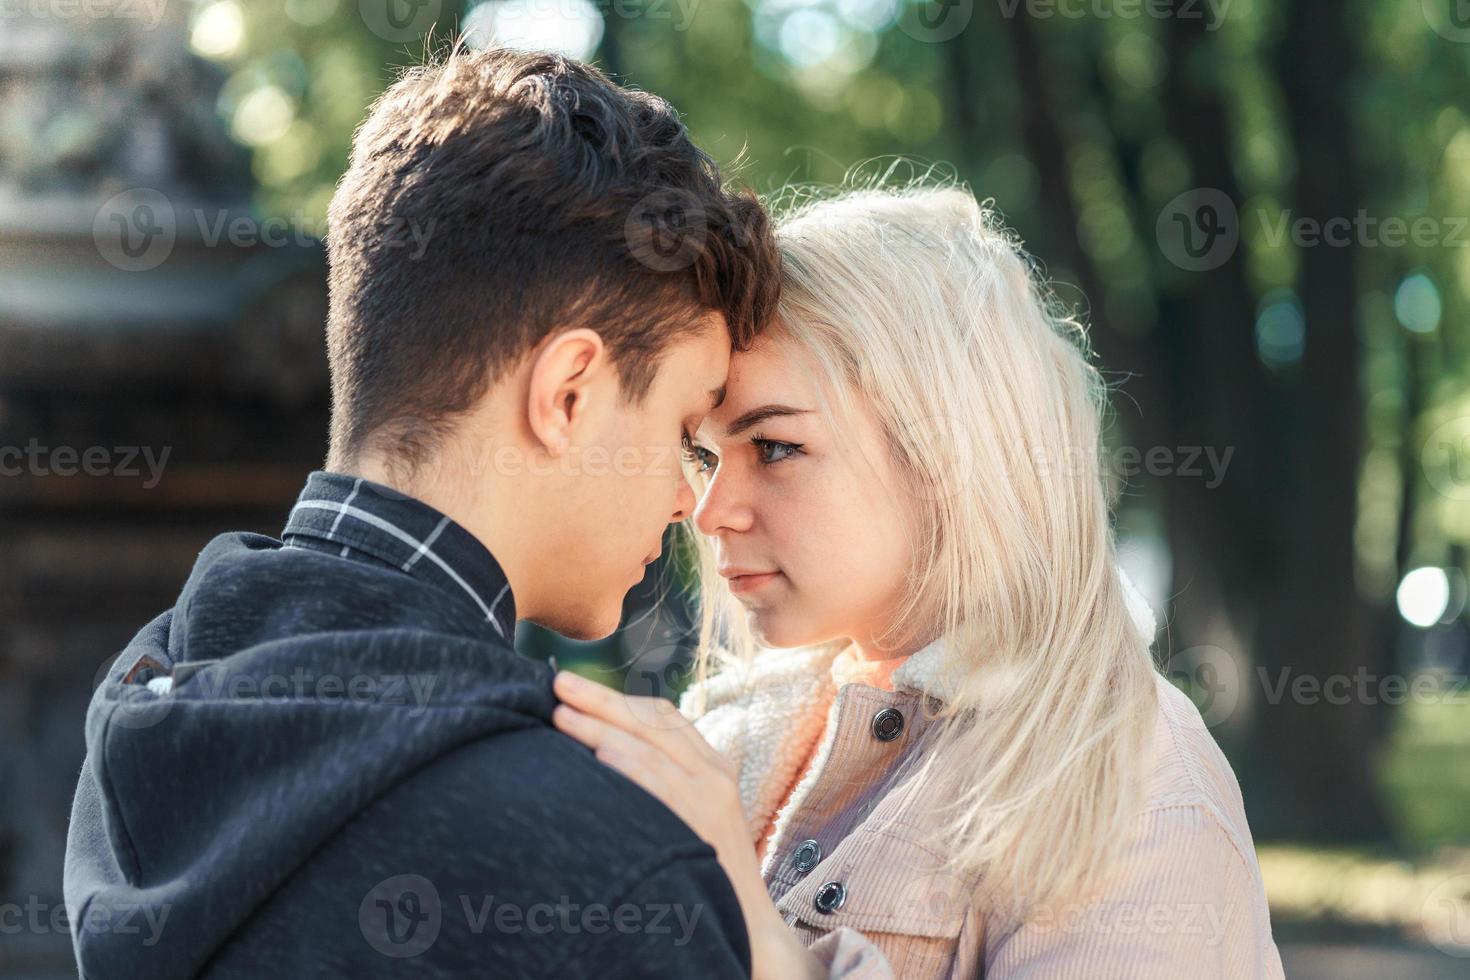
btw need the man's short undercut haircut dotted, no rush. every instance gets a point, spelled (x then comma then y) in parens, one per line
(497, 197)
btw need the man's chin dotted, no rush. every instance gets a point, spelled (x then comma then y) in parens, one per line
(593, 625)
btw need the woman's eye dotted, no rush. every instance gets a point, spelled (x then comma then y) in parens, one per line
(771, 451)
(700, 458)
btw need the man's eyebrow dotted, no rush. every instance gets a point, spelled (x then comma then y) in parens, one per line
(716, 397)
(756, 416)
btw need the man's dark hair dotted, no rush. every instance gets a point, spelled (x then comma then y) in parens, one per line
(497, 196)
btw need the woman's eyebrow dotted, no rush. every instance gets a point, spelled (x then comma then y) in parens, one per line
(756, 416)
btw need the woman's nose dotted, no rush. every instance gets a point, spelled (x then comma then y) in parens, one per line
(724, 507)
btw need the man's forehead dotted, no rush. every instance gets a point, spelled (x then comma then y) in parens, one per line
(695, 364)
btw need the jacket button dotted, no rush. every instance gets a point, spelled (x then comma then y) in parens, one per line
(829, 897)
(888, 724)
(808, 853)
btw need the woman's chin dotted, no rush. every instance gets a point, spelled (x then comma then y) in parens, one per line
(774, 628)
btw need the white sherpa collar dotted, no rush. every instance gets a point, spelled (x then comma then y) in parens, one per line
(767, 717)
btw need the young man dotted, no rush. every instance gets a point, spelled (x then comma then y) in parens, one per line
(327, 759)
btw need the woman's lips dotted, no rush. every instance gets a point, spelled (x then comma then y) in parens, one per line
(745, 584)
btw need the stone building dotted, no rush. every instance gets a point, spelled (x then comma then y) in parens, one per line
(159, 383)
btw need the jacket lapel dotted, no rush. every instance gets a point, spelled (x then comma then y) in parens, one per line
(766, 718)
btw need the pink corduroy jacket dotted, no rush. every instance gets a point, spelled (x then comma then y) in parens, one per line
(869, 901)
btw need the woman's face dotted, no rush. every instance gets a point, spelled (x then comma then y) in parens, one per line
(807, 523)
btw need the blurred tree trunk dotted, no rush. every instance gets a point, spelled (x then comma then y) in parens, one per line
(1045, 141)
(1316, 622)
(1270, 549)
(1220, 537)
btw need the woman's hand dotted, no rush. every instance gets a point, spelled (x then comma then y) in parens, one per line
(650, 742)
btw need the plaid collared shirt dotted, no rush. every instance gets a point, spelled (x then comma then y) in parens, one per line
(366, 521)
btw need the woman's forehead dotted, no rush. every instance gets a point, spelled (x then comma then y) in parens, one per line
(775, 369)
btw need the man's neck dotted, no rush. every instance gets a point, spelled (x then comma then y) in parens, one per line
(480, 510)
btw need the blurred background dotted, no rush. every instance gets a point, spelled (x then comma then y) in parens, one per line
(1262, 208)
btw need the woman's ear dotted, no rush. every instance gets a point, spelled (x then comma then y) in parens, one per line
(561, 389)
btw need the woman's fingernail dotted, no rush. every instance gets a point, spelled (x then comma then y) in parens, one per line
(569, 678)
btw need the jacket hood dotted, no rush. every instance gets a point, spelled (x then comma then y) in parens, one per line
(236, 733)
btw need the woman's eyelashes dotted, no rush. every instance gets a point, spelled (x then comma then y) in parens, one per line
(771, 451)
(768, 452)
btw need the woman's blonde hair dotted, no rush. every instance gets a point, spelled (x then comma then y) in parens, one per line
(917, 301)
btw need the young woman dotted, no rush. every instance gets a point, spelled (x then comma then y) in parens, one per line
(929, 739)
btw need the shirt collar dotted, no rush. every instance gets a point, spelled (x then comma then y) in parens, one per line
(350, 514)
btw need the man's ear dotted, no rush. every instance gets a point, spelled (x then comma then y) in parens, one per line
(561, 391)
